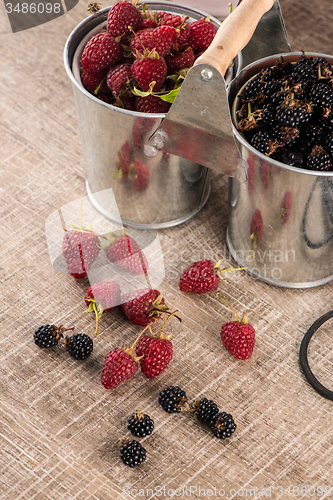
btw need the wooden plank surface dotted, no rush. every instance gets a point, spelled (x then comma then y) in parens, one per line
(59, 426)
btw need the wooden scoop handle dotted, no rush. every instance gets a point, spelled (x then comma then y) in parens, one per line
(234, 33)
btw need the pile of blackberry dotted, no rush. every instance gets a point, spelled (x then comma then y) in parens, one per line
(287, 113)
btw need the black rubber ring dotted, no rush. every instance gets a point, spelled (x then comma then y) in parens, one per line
(303, 357)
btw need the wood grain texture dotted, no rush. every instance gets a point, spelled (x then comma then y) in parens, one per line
(59, 426)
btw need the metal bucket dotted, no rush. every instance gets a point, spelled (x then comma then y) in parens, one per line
(295, 250)
(177, 188)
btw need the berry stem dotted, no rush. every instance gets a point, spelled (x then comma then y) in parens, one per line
(219, 296)
(165, 322)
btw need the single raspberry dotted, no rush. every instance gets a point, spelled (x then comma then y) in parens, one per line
(122, 15)
(102, 296)
(79, 346)
(119, 365)
(94, 82)
(156, 354)
(223, 425)
(148, 70)
(151, 104)
(200, 277)
(202, 33)
(160, 39)
(80, 248)
(140, 424)
(124, 252)
(173, 399)
(238, 338)
(180, 60)
(149, 22)
(205, 410)
(133, 453)
(139, 174)
(143, 306)
(178, 22)
(119, 77)
(101, 52)
(49, 335)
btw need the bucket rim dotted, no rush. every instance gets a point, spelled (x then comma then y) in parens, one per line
(249, 69)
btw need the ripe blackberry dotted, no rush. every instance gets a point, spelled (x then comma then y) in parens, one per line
(318, 159)
(321, 96)
(271, 87)
(140, 424)
(285, 135)
(261, 141)
(205, 410)
(252, 91)
(292, 113)
(49, 335)
(79, 346)
(314, 134)
(172, 399)
(304, 73)
(269, 112)
(132, 453)
(329, 145)
(223, 425)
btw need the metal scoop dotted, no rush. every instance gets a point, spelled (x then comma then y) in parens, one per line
(198, 125)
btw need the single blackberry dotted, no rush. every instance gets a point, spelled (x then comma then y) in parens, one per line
(314, 134)
(49, 335)
(269, 112)
(205, 410)
(132, 453)
(292, 113)
(304, 73)
(284, 135)
(223, 425)
(261, 141)
(284, 68)
(329, 145)
(321, 96)
(140, 424)
(318, 159)
(252, 91)
(271, 87)
(173, 399)
(79, 346)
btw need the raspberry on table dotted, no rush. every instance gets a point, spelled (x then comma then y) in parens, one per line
(118, 366)
(238, 338)
(132, 453)
(140, 424)
(200, 277)
(156, 354)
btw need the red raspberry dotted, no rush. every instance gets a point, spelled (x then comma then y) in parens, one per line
(102, 296)
(139, 174)
(118, 77)
(126, 254)
(121, 15)
(151, 104)
(149, 69)
(149, 23)
(181, 60)
(160, 39)
(80, 248)
(202, 33)
(238, 338)
(102, 51)
(200, 277)
(178, 22)
(119, 365)
(256, 226)
(143, 306)
(157, 353)
(95, 82)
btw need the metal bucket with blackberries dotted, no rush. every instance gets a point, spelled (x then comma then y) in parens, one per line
(281, 218)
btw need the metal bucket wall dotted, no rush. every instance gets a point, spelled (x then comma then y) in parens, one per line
(293, 206)
(174, 189)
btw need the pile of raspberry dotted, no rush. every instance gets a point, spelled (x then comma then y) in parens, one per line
(142, 55)
(287, 113)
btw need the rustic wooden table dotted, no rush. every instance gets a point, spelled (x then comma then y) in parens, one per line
(59, 426)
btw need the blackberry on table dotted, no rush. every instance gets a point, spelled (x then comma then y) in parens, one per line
(132, 453)
(223, 425)
(49, 335)
(172, 399)
(79, 346)
(318, 159)
(140, 424)
(205, 410)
